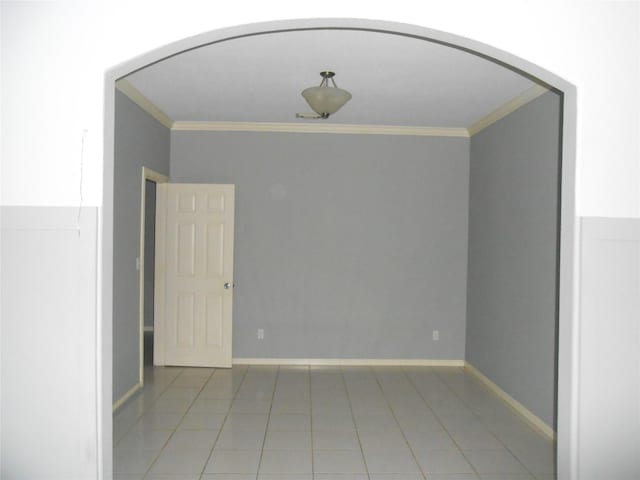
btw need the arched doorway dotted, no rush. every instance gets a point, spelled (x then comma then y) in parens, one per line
(566, 241)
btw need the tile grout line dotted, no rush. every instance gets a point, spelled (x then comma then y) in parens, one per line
(440, 421)
(353, 418)
(397, 422)
(266, 431)
(473, 411)
(235, 393)
(173, 431)
(147, 410)
(223, 421)
(144, 409)
(449, 381)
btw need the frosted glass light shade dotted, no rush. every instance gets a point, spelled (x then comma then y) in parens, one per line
(325, 100)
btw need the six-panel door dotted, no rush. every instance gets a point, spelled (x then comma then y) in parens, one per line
(194, 275)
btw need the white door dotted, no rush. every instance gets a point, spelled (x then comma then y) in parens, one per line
(194, 275)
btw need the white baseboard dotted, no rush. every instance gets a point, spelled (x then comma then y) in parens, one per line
(351, 362)
(523, 411)
(127, 396)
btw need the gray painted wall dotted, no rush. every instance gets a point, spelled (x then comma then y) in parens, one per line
(139, 141)
(346, 246)
(511, 309)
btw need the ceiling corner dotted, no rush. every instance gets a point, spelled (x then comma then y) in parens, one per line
(124, 86)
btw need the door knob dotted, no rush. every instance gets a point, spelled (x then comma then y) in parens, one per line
(227, 286)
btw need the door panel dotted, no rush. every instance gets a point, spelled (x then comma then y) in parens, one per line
(193, 325)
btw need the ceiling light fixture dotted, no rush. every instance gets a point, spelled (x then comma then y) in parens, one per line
(324, 99)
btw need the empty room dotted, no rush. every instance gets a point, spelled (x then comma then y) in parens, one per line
(78, 367)
(336, 256)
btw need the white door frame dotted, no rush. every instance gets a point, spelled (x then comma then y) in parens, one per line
(568, 359)
(152, 175)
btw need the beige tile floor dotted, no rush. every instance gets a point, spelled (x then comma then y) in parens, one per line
(323, 423)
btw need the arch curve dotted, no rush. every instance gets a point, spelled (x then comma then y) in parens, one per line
(490, 53)
(567, 376)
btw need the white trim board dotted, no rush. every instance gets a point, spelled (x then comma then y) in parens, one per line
(124, 86)
(506, 109)
(520, 409)
(335, 128)
(351, 362)
(127, 396)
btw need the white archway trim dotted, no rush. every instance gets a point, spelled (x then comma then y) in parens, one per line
(568, 353)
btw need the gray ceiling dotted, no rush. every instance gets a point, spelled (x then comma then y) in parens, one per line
(394, 80)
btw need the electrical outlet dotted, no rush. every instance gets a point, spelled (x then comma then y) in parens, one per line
(436, 335)
(260, 334)
(138, 263)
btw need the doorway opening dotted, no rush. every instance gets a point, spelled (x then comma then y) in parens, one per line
(566, 387)
(147, 297)
(148, 189)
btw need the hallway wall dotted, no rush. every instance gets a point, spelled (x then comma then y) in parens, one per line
(511, 302)
(139, 141)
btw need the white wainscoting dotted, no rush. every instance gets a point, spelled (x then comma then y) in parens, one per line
(50, 368)
(609, 350)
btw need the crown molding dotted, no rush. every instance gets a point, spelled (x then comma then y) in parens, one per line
(148, 106)
(509, 107)
(346, 129)
(143, 102)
